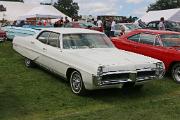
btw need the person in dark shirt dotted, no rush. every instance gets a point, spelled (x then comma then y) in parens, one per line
(66, 20)
(59, 23)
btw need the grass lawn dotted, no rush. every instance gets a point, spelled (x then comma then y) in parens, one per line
(35, 94)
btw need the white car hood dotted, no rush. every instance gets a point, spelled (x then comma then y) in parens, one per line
(113, 58)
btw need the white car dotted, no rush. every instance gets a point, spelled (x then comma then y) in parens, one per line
(86, 58)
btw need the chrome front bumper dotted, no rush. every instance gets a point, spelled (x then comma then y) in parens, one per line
(114, 78)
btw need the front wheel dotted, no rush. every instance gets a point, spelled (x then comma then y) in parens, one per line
(28, 62)
(76, 82)
(176, 72)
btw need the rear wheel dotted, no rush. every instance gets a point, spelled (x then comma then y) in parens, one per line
(77, 85)
(28, 62)
(176, 72)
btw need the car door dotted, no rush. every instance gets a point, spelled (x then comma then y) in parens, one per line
(39, 46)
(54, 58)
(150, 45)
(127, 43)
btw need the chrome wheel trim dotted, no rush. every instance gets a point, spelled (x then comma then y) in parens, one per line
(76, 82)
(27, 62)
(177, 73)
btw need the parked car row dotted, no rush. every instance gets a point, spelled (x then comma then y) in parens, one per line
(87, 59)
(82, 54)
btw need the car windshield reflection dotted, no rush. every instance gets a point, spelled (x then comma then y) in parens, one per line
(84, 41)
(171, 40)
(132, 26)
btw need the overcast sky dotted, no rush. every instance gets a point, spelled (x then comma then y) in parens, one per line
(109, 7)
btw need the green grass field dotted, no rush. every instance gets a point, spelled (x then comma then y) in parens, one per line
(35, 94)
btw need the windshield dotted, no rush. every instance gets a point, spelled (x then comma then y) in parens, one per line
(132, 26)
(170, 40)
(83, 41)
(172, 24)
(129, 26)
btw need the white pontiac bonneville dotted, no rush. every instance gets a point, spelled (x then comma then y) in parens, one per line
(86, 58)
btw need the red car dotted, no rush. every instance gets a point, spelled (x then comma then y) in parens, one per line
(2, 35)
(86, 25)
(162, 45)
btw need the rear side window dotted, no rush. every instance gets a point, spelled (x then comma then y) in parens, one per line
(135, 38)
(43, 37)
(53, 39)
(147, 39)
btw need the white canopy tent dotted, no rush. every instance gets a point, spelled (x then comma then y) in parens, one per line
(170, 14)
(16, 9)
(40, 12)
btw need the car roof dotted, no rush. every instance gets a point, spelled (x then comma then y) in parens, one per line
(156, 31)
(70, 30)
(164, 21)
(148, 31)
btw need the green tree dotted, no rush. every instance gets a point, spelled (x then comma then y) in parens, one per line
(164, 4)
(67, 7)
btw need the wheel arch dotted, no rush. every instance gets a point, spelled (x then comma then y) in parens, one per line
(172, 64)
(69, 71)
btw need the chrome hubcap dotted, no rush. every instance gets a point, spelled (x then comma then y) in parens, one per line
(76, 82)
(177, 74)
(27, 62)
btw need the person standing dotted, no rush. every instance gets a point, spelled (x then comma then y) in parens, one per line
(93, 21)
(112, 27)
(122, 28)
(107, 27)
(161, 24)
(59, 23)
(99, 22)
(66, 20)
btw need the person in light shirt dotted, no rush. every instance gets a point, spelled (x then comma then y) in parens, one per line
(112, 27)
(161, 24)
(99, 22)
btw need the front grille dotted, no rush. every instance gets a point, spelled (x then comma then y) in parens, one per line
(142, 74)
(121, 76)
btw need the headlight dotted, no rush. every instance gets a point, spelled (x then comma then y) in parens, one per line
(100, 71)
(97, 79)
(160, 69)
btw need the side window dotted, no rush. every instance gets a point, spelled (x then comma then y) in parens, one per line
(134, 38)
(152, 25)
(43, 37)
(147, 39)
(53, 39)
